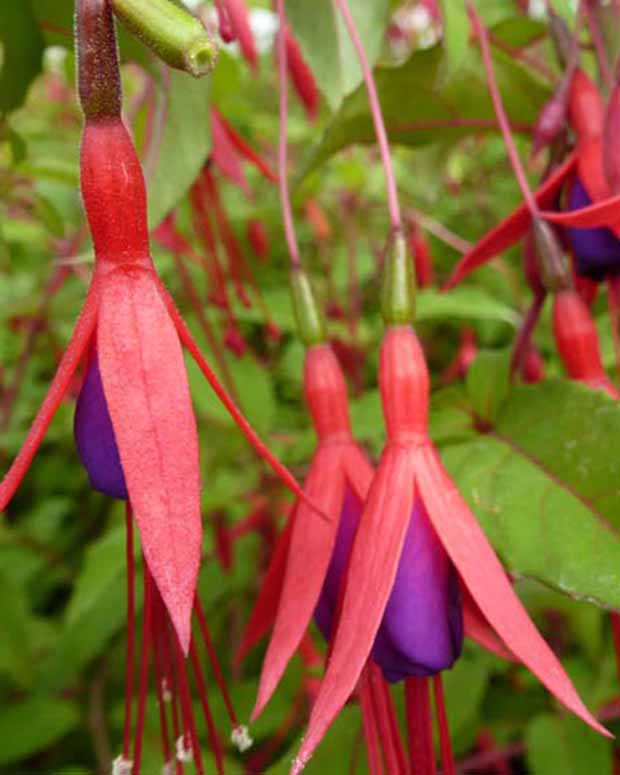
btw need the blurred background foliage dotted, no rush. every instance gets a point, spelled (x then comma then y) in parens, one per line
(536, 463)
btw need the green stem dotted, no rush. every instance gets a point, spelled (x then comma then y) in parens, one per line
(177, 37)
(309, 321)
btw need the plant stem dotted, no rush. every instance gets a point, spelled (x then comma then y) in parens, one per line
(377, 116)
(285, 200)
(511, 148)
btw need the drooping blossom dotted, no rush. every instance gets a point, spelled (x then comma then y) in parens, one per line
(410, 475)
(131, 329)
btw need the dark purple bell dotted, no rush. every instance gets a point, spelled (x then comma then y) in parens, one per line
(597, 251)
(94, 436)
(421, 632)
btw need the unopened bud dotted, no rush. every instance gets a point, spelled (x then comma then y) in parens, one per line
(554, 268)
(552, 117)
(307, 314)
(398, 286)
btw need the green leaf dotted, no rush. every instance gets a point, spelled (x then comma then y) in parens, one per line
(34, 724)
(179, 155)
(566, 746)
(96, 611)
(22, 53)
(463, 302)
(432, 112)
(326, 44)
(455, 38)
(546, 490)
(487, 382)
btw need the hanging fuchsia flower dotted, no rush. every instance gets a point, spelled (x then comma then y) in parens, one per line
(131, 335)
(411, 484)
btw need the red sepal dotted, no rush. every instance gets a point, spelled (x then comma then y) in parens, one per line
(370, 576)
(147, 394)
(486, 580)
(77, 347)
(310, 551)
(512, 228)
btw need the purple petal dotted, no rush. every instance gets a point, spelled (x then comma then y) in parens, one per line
(421, 632)
(349, 518)
(597, 251)
(422, 628)
(94, 436)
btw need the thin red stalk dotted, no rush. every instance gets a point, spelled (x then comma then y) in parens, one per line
(371, 735)
(214, 738)
(215, 665)
(377, 116)
(160, 677)
(397, 741)
(598, 43)
(522, 342)
(511, 148)
(131, 630)
(442, 233)
(144, 666)
(235, 257)
(189, 722)
(445, 745)
(194, 300)
(173, 688)
(202, 226)
(392, 748)
(35, 325)
(613, 306)
(420, 727)
(285, 199)
(78, 345)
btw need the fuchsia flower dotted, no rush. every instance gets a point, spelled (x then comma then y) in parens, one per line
(411, 486)
(136, 395)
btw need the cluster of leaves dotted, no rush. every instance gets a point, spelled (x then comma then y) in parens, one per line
(534, 462)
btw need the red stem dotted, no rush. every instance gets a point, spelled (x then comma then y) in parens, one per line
(216, 745)
(511, 148)
(377, 116)
(215, 665)
(445, 745)
(371, 735)
(78, 345)
(285, 200)
(420, 727)
(144, 666)
(131, 630)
